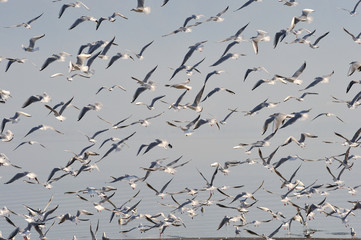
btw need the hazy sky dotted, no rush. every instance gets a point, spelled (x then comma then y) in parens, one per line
(207, 144)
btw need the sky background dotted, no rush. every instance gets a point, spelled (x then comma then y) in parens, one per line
(207, 144)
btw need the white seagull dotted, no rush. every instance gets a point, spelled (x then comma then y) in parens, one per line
(37, 98)
(353, 11)
(261, 36)
(27, 24)
(140, 8)
(77, 4)
(356, 39)
(96, 106)
(32, 41)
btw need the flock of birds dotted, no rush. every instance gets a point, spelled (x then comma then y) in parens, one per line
(108, 140)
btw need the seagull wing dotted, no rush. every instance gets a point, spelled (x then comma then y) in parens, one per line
(149, 74)
(245, 5)
(299, 71)
(32, 20)
(16, 177)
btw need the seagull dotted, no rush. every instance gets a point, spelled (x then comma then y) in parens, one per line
(140, 54)
(217, 89)
(158, 142)
(314, 45)
(186, 29)
(55, 57)
(111, 88)
(176, 106)
(353, 142)
(27, 24)
(17, 176)
(29, 142)
(180, 85)
(195, 47)
(13, 119)
(144, 122)
(269, 81)
(210, 121)
(80, 63)
(106, 49)
(353, 11)
(195, 105)
(14, 60)
(96, 106)
(140, 8)
(302, 115)
(114, 125)
(37, 98)
(42, 127)
(150, 85)
(352, 103)
(117, 56)
(278, 119)
(301, 98)
(77, 4)
(82, 19)
(328, 115)
(187, 129)
(255, 69)
(261, 36)
(323, 79)
(7, 136)
(302, 39)
(4, 95)
(356, 39)
(290, 3)
(247, 3)
(59, 115)
(116, 146)
(74, 218)
(226, 57)
(92, 138)
(354, 66)
(218, 17)
(228, 115)
(237, 35)
(229, 46)
(217, 72)
(299, 142)
(110, 19)
(279, 36)
(32, 41)
(294, 79)
(160, 193)
(193, 16)
(151, 106)
(71, 77)
(260, 106)
(304, 16)
(4, 162)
